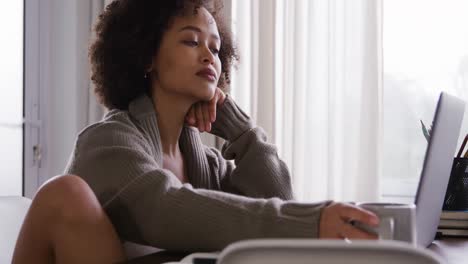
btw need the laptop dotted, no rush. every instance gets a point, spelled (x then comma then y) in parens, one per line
(437, 165)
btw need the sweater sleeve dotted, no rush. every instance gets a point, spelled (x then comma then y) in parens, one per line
(149, 205)
(258, 171)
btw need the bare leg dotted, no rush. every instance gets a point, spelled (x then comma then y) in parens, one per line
(66, 224)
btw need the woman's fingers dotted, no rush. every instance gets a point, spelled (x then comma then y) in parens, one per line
(351, 232)
(221, 96)
(199, 115)
(202, 114)
(351, 212)
(190, 118)
(206, 116)
(217, 100)
(212, 109)
(336, 218)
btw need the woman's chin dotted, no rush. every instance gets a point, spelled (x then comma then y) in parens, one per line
(206, 94)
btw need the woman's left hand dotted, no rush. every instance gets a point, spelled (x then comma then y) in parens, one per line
(203, 113)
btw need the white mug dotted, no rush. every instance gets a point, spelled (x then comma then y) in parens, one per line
(397, 221)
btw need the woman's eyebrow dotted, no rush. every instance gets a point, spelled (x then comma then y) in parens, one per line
(196, 29)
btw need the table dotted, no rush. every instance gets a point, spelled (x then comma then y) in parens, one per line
(454, 250)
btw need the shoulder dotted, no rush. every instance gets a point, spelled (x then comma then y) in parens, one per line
(117, 128)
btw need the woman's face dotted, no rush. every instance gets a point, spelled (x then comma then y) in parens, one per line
(187, 63)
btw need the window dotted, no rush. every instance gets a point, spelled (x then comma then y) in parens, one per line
(11, 107)
(425, 50)
(309, 77)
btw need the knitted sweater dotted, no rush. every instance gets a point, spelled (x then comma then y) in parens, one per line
(121, 159)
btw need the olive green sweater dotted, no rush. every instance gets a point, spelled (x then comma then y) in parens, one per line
(120, 158)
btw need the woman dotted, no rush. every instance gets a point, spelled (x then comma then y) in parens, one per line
(157, 66)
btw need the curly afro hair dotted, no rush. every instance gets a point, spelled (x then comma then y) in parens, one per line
(129, 34)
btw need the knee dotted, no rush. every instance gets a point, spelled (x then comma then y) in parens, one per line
(69, 198)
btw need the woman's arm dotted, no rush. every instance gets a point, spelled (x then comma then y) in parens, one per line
(148, 204)
(258, 171)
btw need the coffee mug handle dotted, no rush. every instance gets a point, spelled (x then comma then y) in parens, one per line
(387, 228)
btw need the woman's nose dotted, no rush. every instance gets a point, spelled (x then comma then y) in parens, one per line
(208, 56)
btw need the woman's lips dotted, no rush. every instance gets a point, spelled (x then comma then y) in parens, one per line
(207, 76)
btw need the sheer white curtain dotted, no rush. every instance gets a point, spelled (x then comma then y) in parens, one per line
(90, 9)
(93, 109)
(310, 75)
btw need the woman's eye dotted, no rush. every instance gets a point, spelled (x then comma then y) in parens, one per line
(215, 51)
(191, 43)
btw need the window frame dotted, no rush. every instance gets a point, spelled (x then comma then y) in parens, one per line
(36, 82)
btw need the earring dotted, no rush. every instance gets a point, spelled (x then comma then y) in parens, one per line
(146, 75)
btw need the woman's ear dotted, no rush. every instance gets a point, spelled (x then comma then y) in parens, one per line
(150, 67)
(148, 71)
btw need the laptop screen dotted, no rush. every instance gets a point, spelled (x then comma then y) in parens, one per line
(437, 165)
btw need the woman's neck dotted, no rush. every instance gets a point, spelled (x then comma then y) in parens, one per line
(171, 110)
